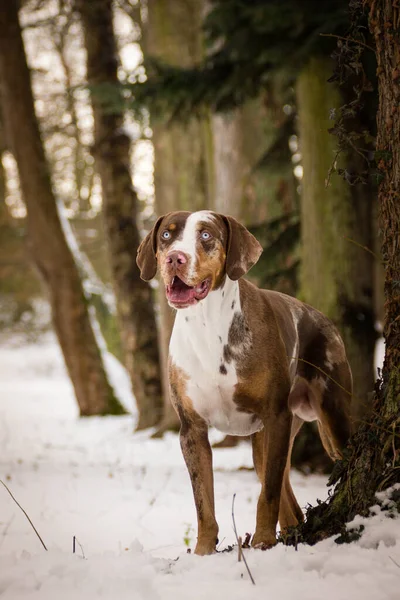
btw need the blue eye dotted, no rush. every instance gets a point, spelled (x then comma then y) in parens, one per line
(205, 235)
(165, 235)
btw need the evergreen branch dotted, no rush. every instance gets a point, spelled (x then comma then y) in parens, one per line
(25, 513)
(248, 43)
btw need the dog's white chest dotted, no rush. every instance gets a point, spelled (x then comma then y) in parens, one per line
(197, 347)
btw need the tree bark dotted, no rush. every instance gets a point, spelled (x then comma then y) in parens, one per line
(112, 156)
(372, 460)
(48, 246)
(336, 273)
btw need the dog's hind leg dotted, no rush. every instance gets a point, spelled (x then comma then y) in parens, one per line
(277, 421)
(290, 513)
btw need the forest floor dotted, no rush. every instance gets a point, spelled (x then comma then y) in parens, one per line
(127, 499)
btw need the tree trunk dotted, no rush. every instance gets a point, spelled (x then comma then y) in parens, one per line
(336, 273)
(183, 174)
(372, 460)
(112, 155)
(48, 246)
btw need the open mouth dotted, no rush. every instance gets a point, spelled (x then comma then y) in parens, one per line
(182, 295)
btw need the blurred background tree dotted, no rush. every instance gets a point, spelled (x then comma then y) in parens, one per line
(45, 233)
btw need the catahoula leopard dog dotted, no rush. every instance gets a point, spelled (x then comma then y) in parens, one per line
(244, 360)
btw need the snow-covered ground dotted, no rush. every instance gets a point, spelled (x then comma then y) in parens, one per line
(128, 501)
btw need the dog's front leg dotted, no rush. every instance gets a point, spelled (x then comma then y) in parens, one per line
(277, 425)
(197, 453)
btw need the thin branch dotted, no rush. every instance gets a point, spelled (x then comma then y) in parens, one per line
(237, 539)
(361, 246)
(332, 168)
(393, 561)
(348, 39)
(25, 513)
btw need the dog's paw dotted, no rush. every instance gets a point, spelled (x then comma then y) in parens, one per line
(203, 549)
(263, 541)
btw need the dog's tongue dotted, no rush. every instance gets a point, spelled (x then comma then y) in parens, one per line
(179, 292)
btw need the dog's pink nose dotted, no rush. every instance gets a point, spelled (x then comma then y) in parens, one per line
(176, 258)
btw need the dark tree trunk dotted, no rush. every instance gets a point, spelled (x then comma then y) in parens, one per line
(112, 153)
(372, 460)
(48, 246)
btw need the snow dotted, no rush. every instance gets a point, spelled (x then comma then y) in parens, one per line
(127, 499)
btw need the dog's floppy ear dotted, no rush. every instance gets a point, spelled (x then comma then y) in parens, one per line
(146, 258)
(243, 250)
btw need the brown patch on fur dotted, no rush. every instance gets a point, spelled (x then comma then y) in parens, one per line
(179, 398)
(254, 342)
(209, 264)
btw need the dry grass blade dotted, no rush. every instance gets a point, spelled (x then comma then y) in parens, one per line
(74, 542)
(25, 513)
(238, 541)
(393, 561)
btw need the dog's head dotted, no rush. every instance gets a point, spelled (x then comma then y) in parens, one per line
(194, 252)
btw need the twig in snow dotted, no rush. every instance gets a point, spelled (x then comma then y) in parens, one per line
(26, 514)
(237, 539)
(393, 561)
(220, 544)
(74, 542)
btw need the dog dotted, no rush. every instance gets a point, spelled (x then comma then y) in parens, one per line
(244, 360)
